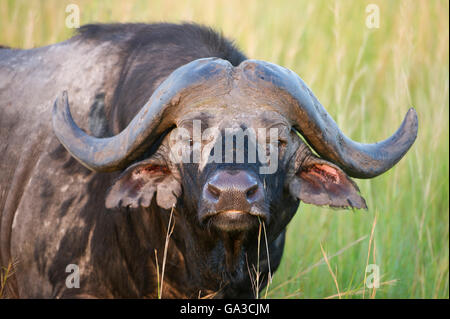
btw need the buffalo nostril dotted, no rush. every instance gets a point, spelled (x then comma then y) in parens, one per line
(251, 192)
(214, 191)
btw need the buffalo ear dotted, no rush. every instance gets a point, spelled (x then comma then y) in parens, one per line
(138, 184)
(321, 183)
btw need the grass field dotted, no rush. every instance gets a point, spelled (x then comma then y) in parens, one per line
(367, 79)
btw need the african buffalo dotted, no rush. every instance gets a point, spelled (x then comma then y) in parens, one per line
(98, 190)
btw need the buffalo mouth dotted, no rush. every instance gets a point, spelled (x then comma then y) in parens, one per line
(233, 220)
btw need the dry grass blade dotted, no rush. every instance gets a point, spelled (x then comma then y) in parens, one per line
(320, 262)
(360, 291)
(252, 280)
(6, 273)
(296, 293)
(257, 263)
(169, 232)
(269, 278)
(331, 271)
(157, 273)
(368, 253)
(255, 281)
(210, 295)
(374, 289)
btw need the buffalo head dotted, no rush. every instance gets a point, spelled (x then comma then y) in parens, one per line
(182, 149)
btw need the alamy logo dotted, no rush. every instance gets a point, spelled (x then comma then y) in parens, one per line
(373, 277)
(73, 17)
(73, 280)
(207, 146)
(373, 16)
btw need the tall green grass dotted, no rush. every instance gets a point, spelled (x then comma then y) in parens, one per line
(367, 79)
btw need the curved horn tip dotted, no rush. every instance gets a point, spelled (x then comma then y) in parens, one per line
(401, 142)
(410, 127)
(412, 118)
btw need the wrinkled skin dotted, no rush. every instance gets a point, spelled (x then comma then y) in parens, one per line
(55, 212)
